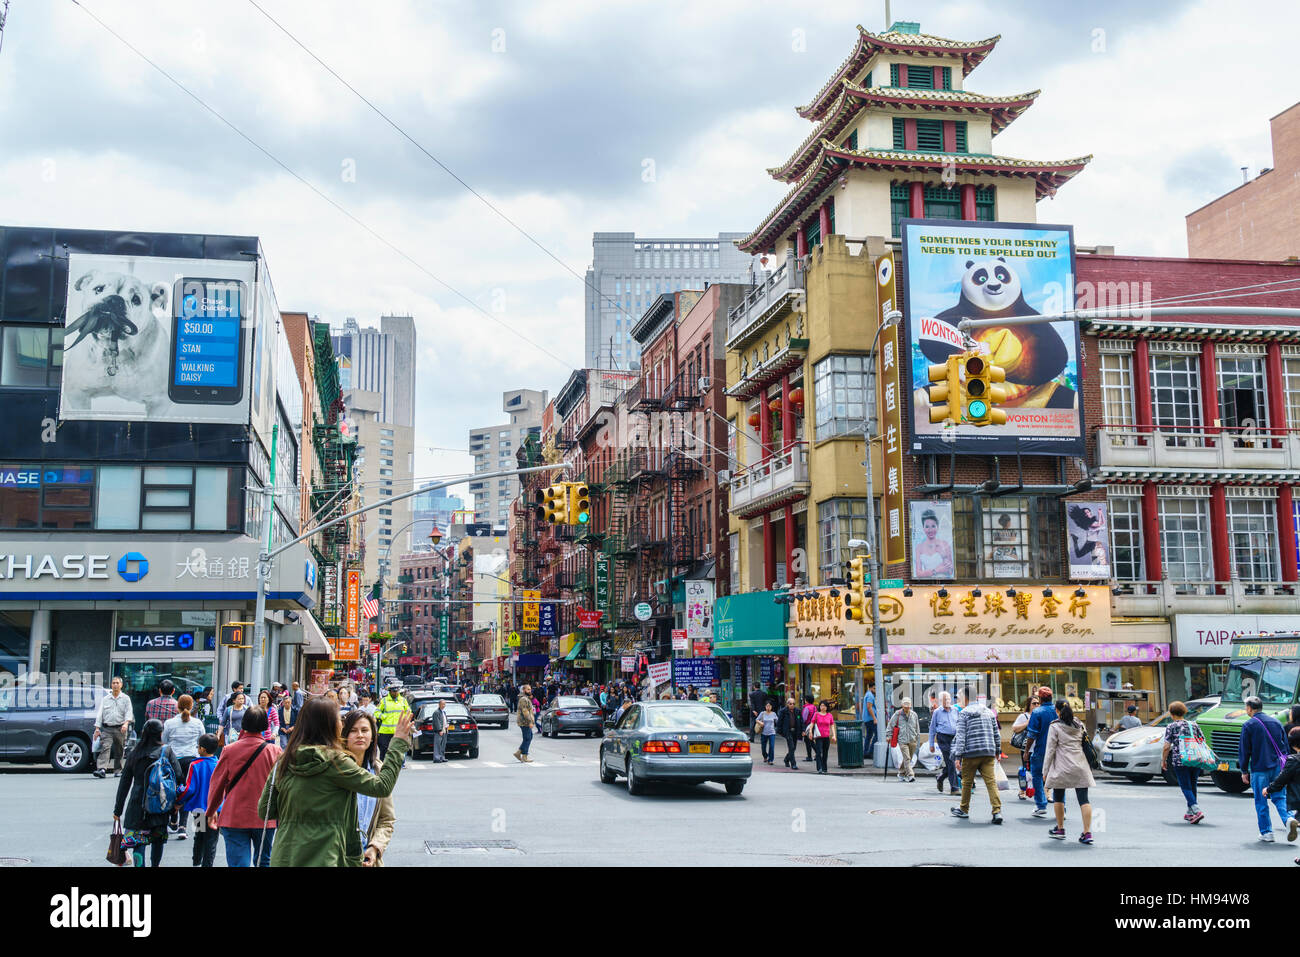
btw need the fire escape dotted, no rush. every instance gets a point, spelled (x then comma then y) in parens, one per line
(331, 497)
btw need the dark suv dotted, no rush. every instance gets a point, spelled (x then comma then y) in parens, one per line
(49, 723)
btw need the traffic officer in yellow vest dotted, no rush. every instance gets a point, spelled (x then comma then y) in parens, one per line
(387, 714)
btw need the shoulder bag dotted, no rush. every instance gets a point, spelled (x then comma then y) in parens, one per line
(1193, 751)
(1019, 740)
(1281, 755)
(116, 852)
(1089, 752)
(247, 764)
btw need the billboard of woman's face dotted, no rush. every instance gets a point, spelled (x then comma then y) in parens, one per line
(932, 556)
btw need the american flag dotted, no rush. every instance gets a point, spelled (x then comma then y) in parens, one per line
(370, 607)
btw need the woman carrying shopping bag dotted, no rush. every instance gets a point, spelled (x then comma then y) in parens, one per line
(821, 731)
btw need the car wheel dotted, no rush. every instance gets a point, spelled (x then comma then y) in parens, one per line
(1227, 781)
(606, 775)
(473, 752)
(634, 784)
(734, 787)
(1140, 778)
(70, 755)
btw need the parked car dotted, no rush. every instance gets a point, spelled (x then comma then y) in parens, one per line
(489, 709)
(462, 738)
(49, 723)
(572, 714)
(1136, 753)
(687, 742)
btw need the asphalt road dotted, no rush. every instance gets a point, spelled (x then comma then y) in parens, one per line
(494, 810)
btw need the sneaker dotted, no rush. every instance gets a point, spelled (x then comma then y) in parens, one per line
(100, 774)
(997, 819)
(1040, 812)
(527, 760)
(1057, 832)
(519, 755)
(1292, 828)
(958, 812)
(1195, 817)
(180, 836)
(1267, 838)
(1085, 837)
(912, 779)
(1188, 817)
(901, 776)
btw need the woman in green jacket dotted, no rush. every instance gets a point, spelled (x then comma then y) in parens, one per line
(312, 791)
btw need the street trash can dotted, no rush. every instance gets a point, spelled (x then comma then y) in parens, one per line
(848, 737)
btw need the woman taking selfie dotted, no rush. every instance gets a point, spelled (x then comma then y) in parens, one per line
(375, 816)
(312, 792)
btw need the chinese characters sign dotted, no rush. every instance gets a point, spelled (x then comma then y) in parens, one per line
(352, 617)
(891, 420)
(531, 610)
(602, 582)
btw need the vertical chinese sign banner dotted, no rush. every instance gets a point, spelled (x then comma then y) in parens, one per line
(444, 644)
(891, 423)
(602, 582)
(352, 618)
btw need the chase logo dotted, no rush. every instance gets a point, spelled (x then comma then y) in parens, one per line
(132, 566)
(185, 641)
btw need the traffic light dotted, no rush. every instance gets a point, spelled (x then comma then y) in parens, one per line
(855, 599)
(945, 398)
(981, 394)
(553, 504)
(579, 503)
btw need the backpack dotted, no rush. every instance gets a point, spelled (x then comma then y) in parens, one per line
(160, 790)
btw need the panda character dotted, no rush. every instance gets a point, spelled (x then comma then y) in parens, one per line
(1033, 356)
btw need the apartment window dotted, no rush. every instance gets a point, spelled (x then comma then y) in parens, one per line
(959, 135)
(1175, 392)
(1009, 538)
(942, 202)
(1291, 386)
(385, 461)
(1185, 539)
(1252, 529)
(840, 390)
(929, 136)
(1126, 559)
(31, 356)
(918, 77)
(1243, 402)
(385, 471)
(1117, 388)
(387, 432)
(838, 521)
(900, 133)
(900, 207)
(984, 202)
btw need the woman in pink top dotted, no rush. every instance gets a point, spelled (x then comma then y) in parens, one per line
(823, 724)
(272, 732)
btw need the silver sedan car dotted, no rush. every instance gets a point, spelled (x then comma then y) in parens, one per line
(686, 742)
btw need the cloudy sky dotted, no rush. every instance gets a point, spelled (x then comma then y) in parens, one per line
(550, 108)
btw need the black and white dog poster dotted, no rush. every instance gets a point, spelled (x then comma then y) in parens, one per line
(120, 331)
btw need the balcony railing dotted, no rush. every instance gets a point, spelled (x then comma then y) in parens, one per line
(1160, 599)
(760, 305)
(647, 463)
(787, 469)
(1182, 448)
(643, 394)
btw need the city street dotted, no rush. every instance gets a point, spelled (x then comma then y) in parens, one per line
(494, 810)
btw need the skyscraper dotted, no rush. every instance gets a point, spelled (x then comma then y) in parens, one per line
(381, 360)
(494, 448)
(628, 273)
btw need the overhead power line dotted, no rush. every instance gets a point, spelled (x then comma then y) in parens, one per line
(315, 189)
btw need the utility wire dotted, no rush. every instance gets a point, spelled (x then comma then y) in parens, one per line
(315, 189)
(443, 166)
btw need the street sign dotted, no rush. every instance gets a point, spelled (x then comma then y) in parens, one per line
(444, 641)
(546, 622)
(891, 583)
(643, 611)
(702, 649)
(232, 636)
(588, 619)
(680, 641)
(374, 648)
(531, 610)
(628, 663)
(661, 672)
(347, 649)
(514, 641)
(352, 619)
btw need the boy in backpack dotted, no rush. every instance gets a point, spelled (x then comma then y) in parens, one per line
(194, 801)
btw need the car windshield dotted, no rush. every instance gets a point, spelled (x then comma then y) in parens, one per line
(1193, 712)
(575, 703)
(492, 699)
(1272, 680)
(688, 718)
(453, 711)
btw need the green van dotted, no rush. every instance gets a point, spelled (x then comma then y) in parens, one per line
(1266, 666)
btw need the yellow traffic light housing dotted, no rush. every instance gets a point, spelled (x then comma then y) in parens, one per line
(981, 394)
(946, 397)
(579, 503)
(553, 504)
(855, 598)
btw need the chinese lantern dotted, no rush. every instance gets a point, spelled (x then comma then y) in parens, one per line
(775, 405)
(753, 420)
(796, 395)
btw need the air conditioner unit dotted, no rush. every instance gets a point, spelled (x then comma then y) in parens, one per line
(724, 475)
(705, 383)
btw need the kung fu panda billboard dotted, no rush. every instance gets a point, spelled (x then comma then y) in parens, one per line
(955, 269)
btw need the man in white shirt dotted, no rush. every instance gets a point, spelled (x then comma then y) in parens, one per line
(111, 725)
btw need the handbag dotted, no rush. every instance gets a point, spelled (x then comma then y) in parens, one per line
(1194, 751)
(116, 852)
(1019, 739)
(893, 737)
(1089, 752)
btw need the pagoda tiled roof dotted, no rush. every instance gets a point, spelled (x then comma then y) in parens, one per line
(832, 160)
(853, 99)
(971, 52)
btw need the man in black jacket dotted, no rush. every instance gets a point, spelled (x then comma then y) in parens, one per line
(1288, 779)
(756, 701)
(789, 724)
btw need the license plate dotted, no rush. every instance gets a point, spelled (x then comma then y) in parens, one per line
(1223, 765)
(701, 749)
(1107, 758)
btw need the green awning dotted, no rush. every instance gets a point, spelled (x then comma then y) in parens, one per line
(576, 651)
(745, 648)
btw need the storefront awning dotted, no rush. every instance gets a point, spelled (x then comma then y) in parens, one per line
(751, 647)
(314, 643)
(576, 651)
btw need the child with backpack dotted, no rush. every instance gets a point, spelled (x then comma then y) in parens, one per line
(147, 792)
(194, 800)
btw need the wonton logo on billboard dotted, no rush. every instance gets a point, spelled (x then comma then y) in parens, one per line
(958, 270)
(156, 339)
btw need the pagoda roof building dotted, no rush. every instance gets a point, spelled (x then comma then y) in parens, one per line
(897, 135)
